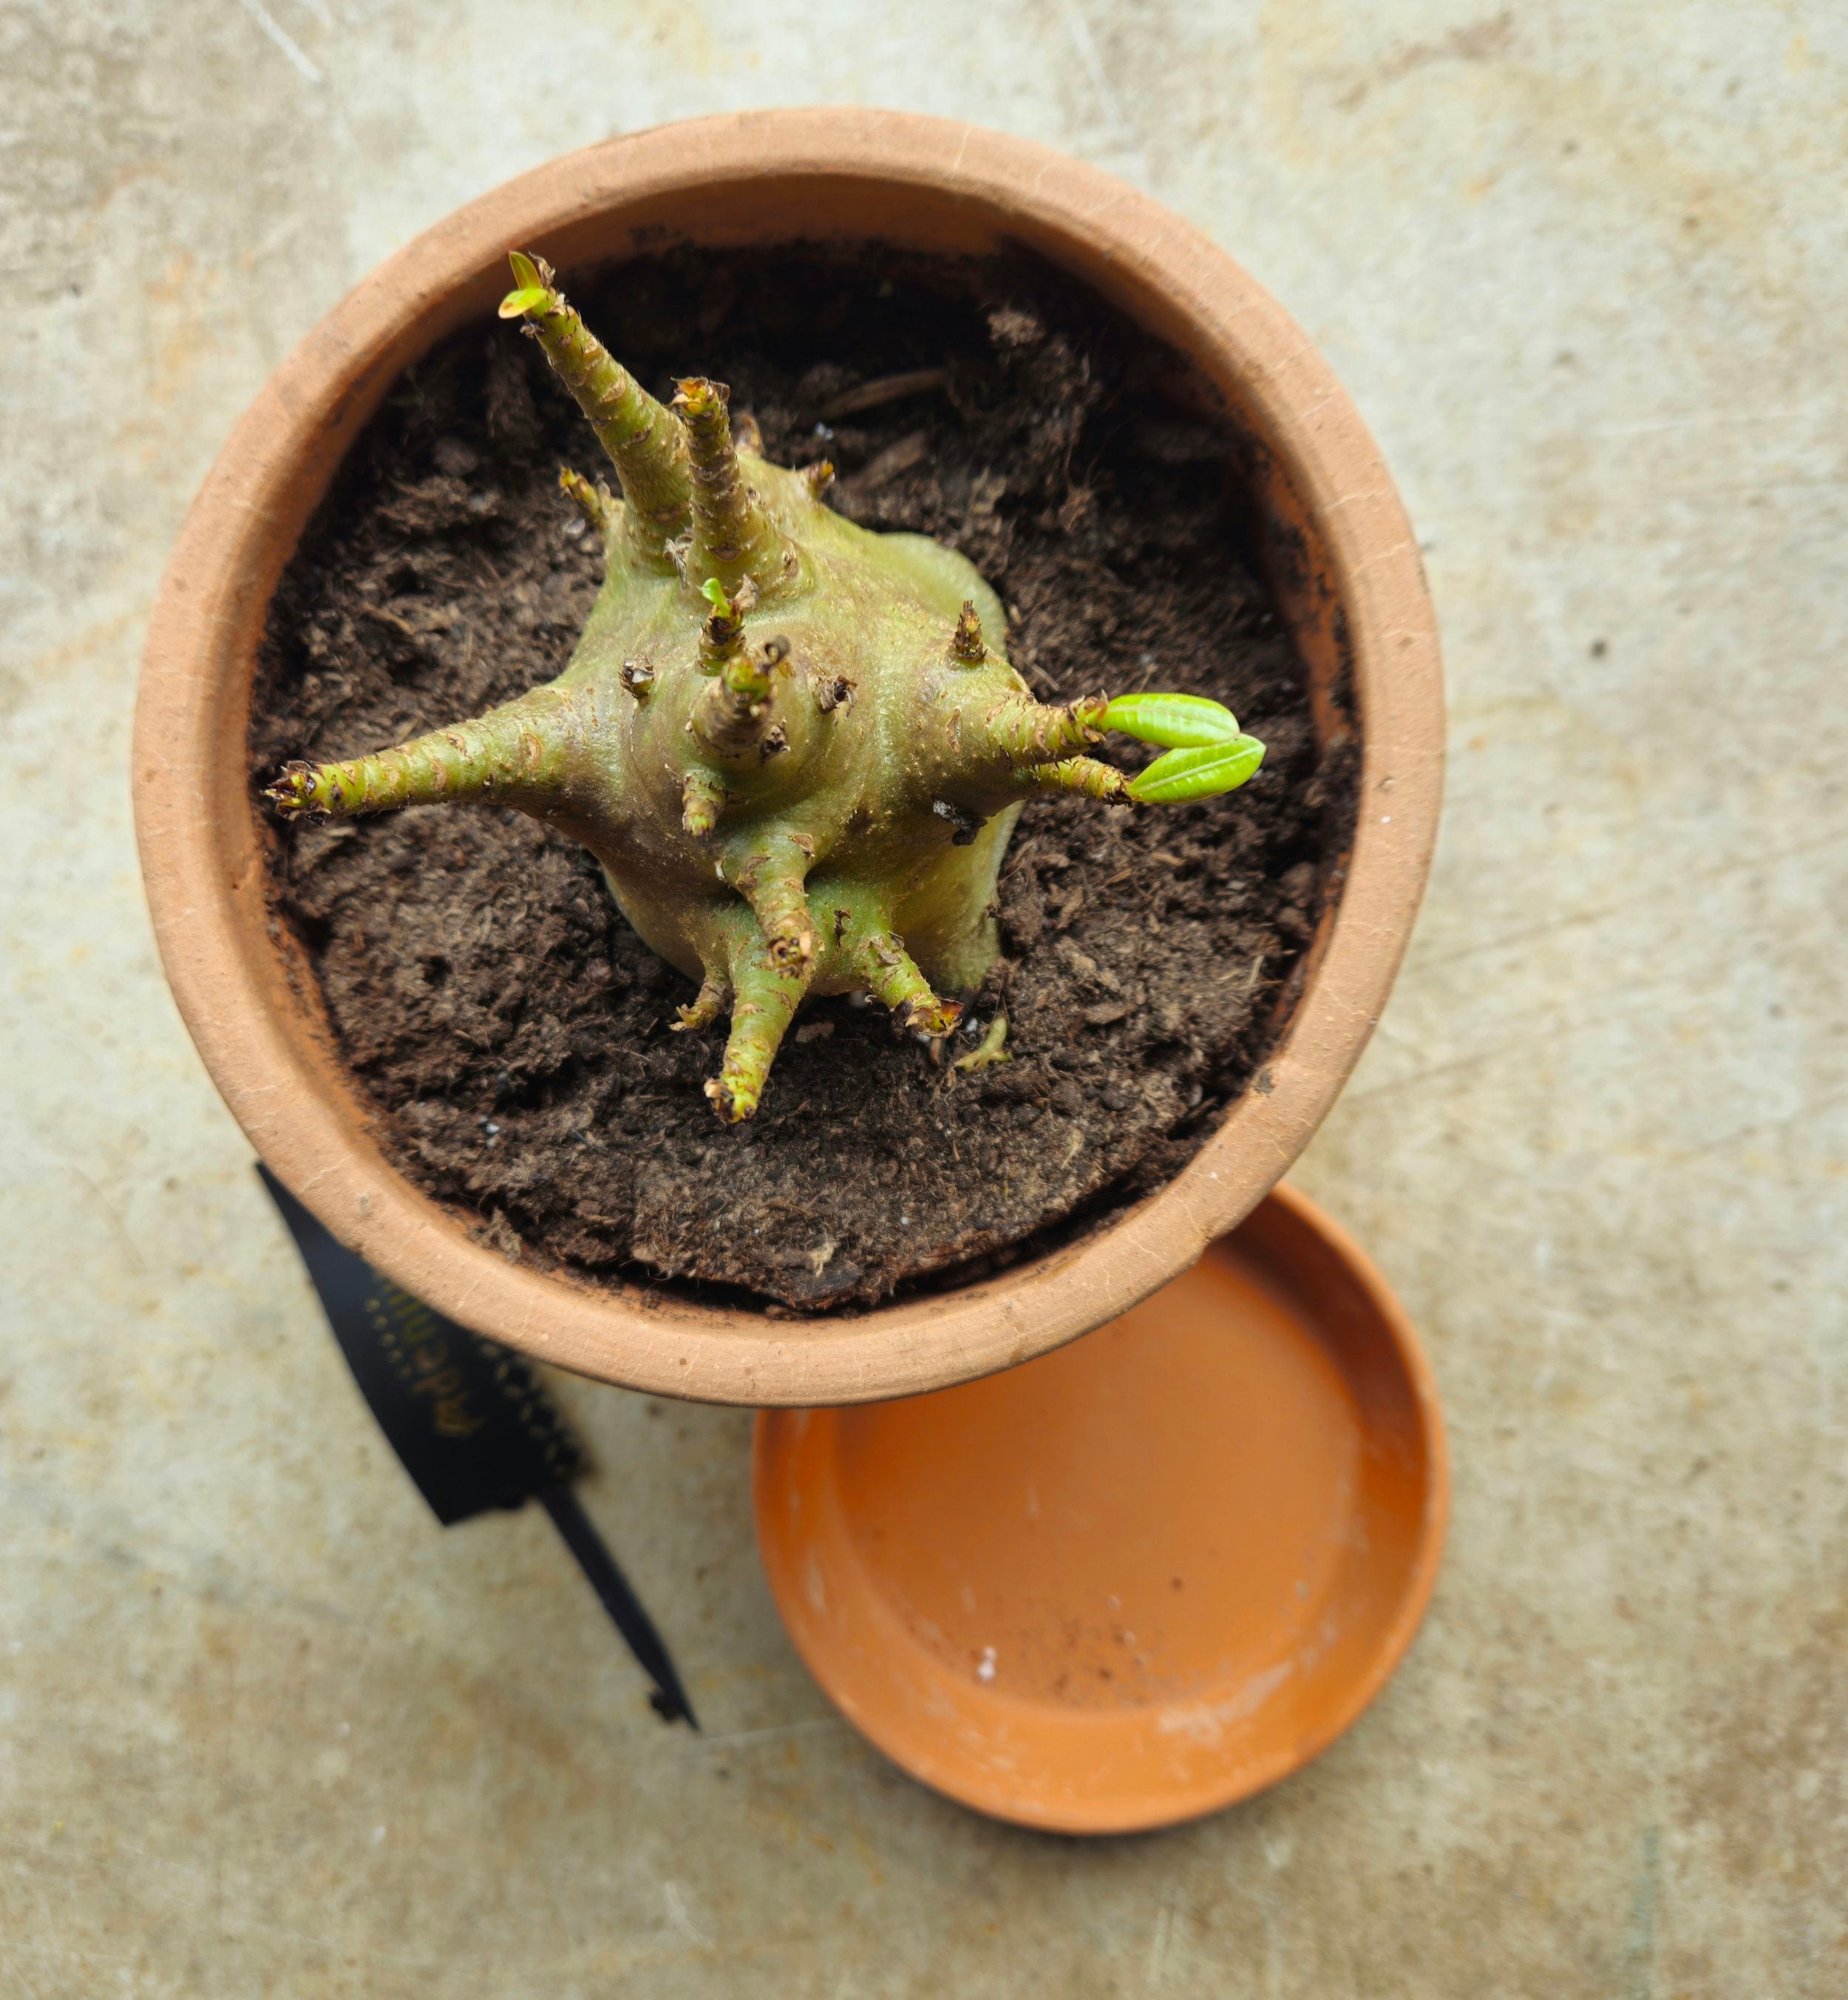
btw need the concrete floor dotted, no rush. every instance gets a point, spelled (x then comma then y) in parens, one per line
(267, 1732)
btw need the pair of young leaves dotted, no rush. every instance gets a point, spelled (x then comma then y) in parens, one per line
(1205, 753)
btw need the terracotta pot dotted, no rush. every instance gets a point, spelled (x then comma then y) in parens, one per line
(1346, 568)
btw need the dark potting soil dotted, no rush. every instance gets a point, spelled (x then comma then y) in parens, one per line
(504, 1023)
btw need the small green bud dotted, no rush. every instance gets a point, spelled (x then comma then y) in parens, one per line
(989, 1050)
(533, 293)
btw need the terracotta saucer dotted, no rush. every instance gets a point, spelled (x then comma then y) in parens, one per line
(1139, 1578)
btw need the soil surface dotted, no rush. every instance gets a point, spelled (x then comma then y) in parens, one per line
(505, 1023)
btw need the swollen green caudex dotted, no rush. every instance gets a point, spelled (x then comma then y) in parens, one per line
(793, 745)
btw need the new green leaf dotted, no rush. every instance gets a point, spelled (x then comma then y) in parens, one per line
(1200, 773)
(1175, 721)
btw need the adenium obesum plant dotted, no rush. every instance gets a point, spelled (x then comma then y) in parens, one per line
(794, 745)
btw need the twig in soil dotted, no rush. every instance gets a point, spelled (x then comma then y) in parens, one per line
(884, 389)
(885, 466)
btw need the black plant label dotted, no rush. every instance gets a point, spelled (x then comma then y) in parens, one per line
(470, 1421)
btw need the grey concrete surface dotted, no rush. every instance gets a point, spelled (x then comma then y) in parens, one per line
(264, 1731)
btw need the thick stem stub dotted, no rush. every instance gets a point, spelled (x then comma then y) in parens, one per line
(733, 537)
(765, 999)
(735, 720)
(1088, 776)
(774, 882)
(892, 975)
(645, 440)
(523, 751)
(709, 1003)
(1026, 731)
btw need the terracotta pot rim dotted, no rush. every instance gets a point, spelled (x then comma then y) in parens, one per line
(203, 869)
